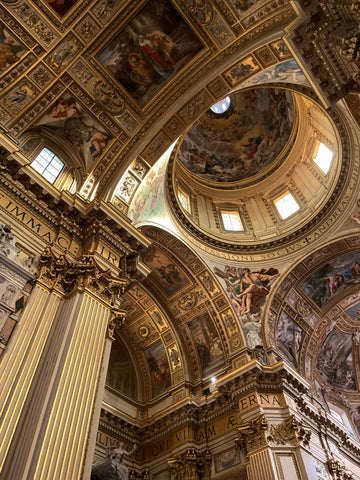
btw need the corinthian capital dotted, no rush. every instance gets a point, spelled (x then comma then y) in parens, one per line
(60, 274)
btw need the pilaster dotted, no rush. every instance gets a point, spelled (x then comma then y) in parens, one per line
(53, 374)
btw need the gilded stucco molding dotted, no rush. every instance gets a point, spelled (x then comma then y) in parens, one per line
(191, 465)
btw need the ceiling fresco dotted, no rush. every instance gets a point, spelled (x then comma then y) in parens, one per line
(150, 50)
(242, 142)
(314, 322)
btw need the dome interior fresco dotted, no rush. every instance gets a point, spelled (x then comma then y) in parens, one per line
(243, 142)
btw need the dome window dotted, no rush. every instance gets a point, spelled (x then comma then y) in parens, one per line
(221, 106)
(323, 158)
(231, 221)
(184, 200)
(48, 165)
(286, 205)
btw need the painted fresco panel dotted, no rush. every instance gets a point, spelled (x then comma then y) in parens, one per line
(159, 368)
(152, 47)
(335, 360)
(61, 7)
(332, 279)
(148, 202)
(244, 141)
(171, 278)
(247, 291)
(208, 343)
(70, 120)
(284, 72)
(10, 49)
(289, 337)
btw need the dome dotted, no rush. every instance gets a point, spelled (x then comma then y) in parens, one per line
(254, 177)
(247, 140)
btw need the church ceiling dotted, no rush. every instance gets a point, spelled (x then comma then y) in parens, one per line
(179, 325)
(85, 72)
(85, 78)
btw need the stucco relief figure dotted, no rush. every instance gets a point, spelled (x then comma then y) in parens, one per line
(9, 294)
(6, 236)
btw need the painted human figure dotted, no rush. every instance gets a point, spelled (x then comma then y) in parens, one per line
(162, 62)
(257, 287)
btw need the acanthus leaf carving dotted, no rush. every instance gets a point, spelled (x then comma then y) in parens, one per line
(191, 465)
(58, 273)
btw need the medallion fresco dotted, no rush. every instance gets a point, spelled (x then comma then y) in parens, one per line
(335, 360)
(10, 49)
(69, 119)
(170, 276)
(242, 142)
(152, 47)
(207, 342)
(332, 279)
(159, 368)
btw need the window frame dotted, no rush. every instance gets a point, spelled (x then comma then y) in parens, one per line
(280, 197)
(224, 210)
(55, 157)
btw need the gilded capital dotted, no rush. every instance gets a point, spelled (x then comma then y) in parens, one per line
(191, 465)
(60, 274)
(290, 431)
(252, 435)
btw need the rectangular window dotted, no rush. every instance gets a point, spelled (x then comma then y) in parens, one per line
(231, 221)
(184, 200)
(286, 205)
(323, 158)
(48, 165)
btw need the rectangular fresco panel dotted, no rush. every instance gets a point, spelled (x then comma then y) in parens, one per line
(171, 277)
(152, 47)
(333, 278)
(208, 343)
(159, 368)
(10, 49)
